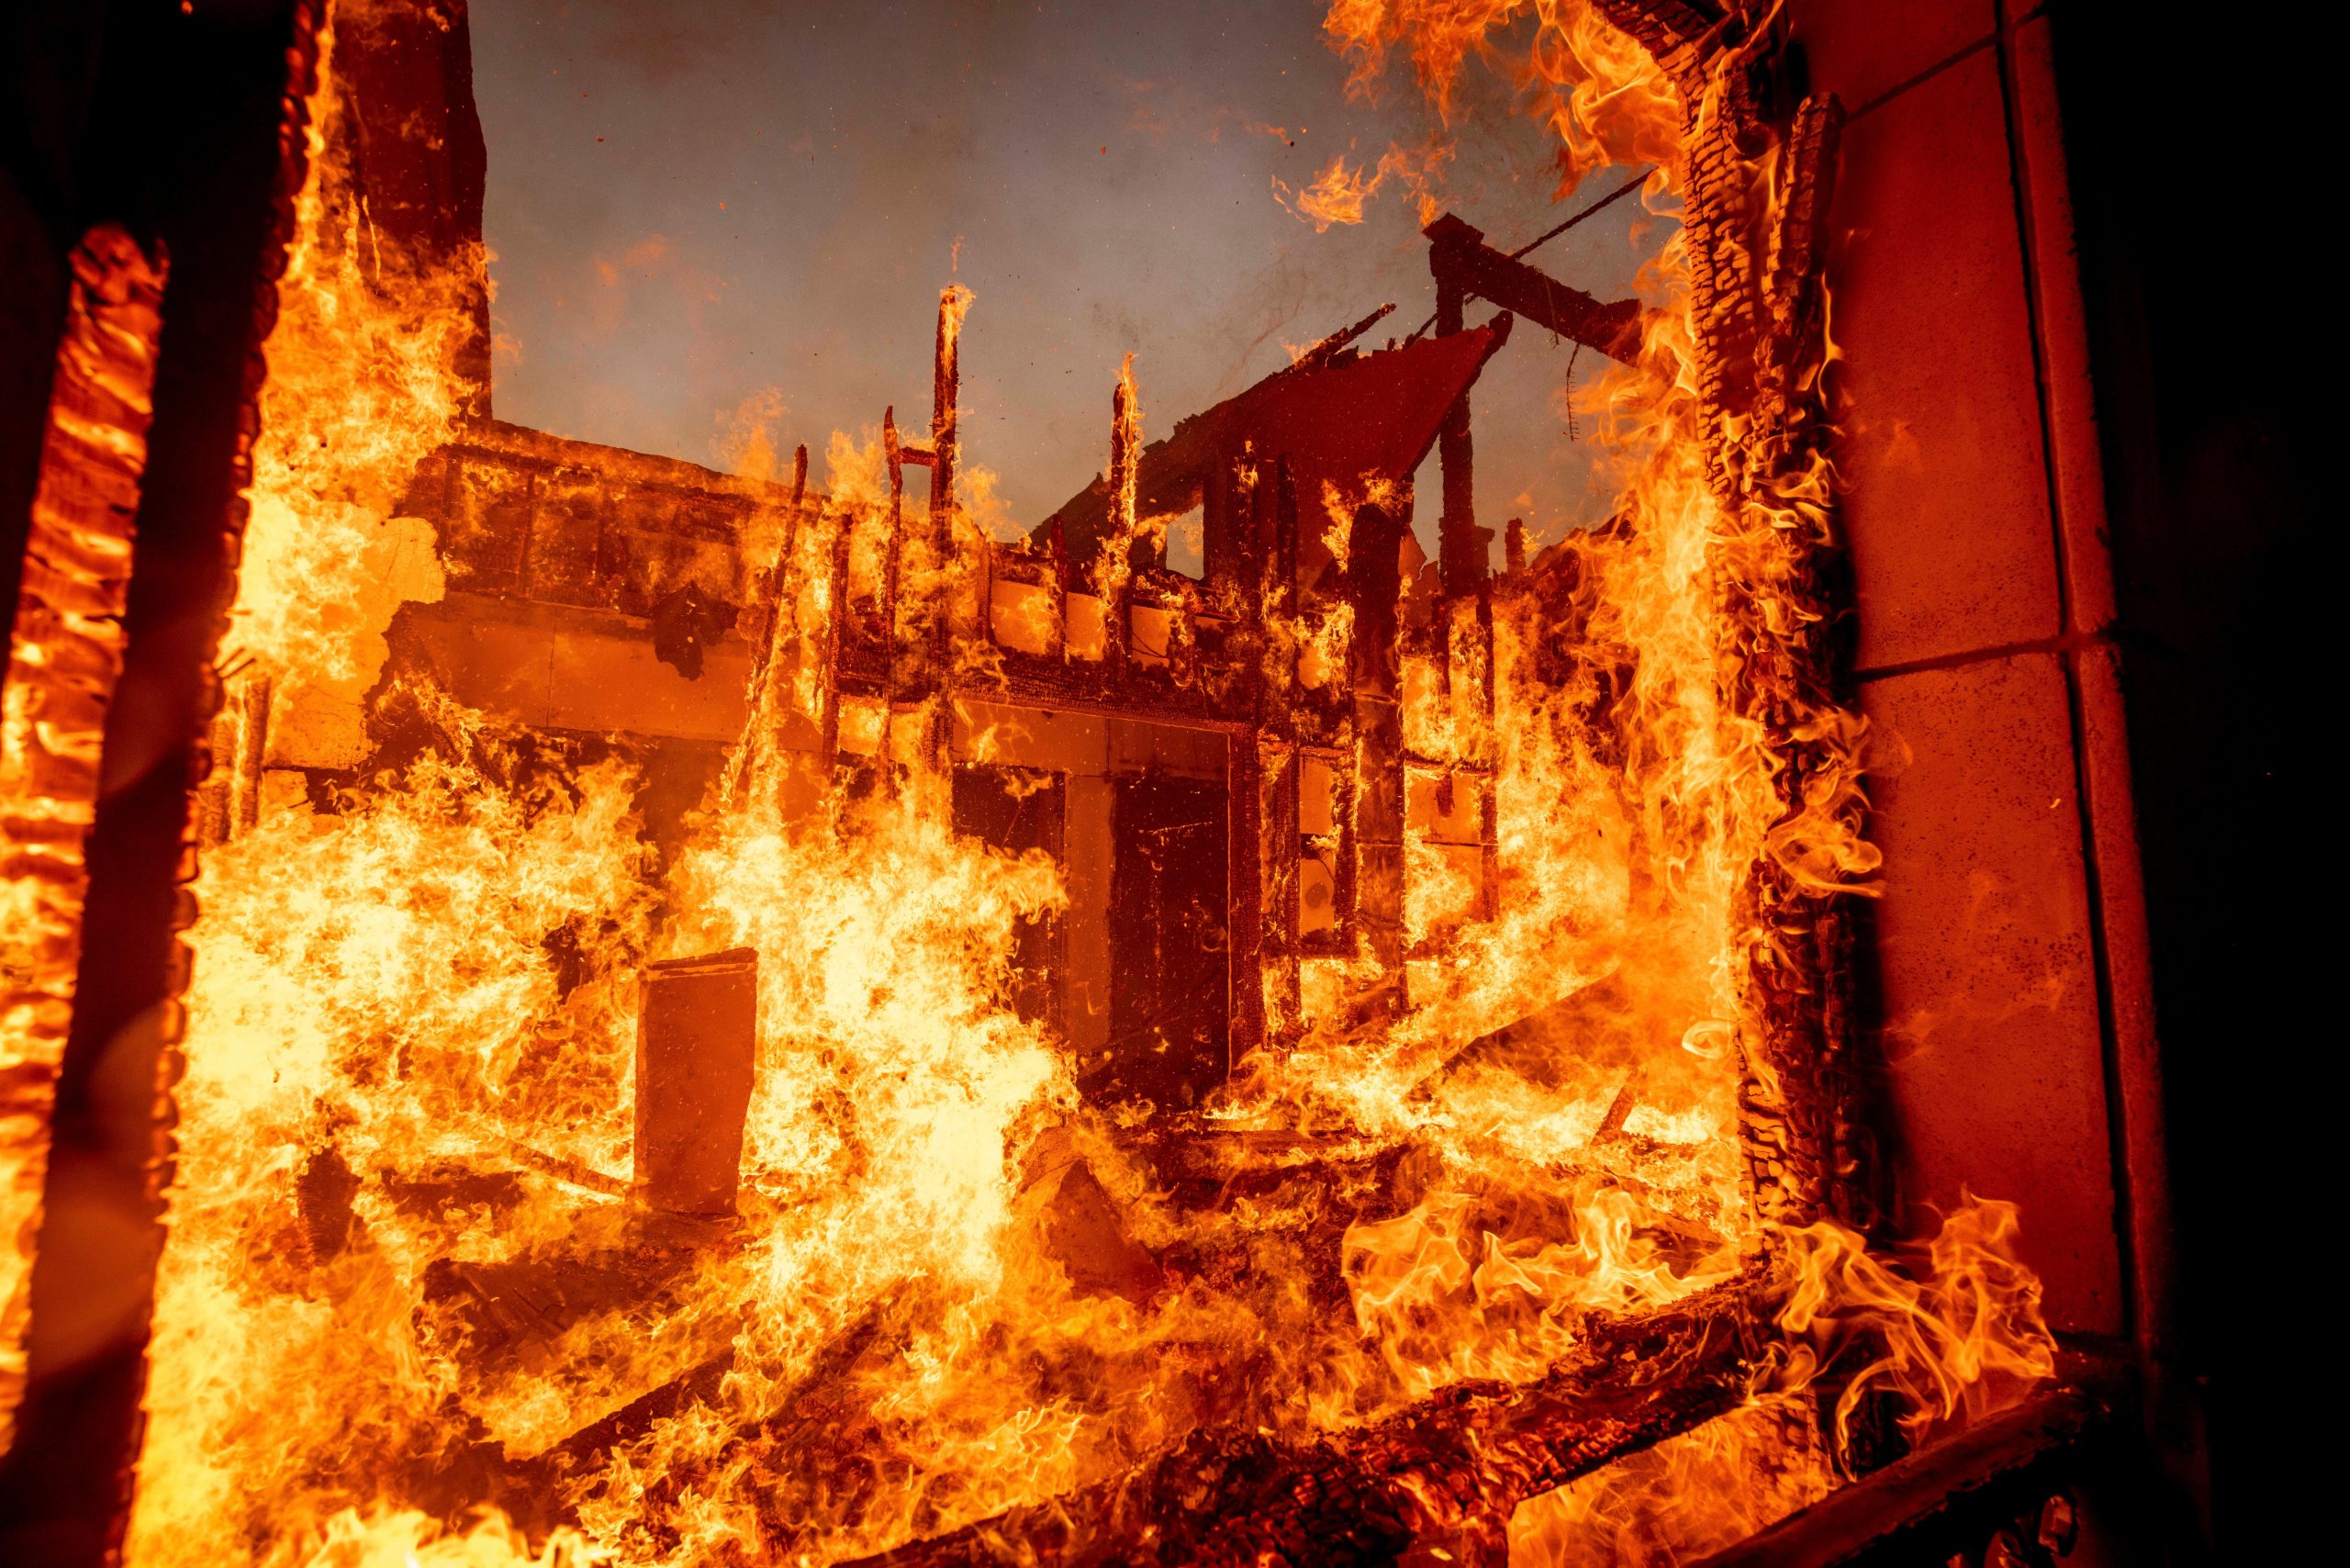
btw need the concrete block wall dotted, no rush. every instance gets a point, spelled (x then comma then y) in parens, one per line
(2008, 952)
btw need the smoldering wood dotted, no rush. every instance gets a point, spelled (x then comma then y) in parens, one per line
(828, 719)
(1118, 534)
(1945, 1502)
(1322, 352)
(1442, 1477)
(1374, 584)
(61, 664)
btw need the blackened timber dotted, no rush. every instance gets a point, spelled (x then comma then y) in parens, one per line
(1274, 527)
(1465, 264)
(1461, 555)
(252, 749)
(1437, 1481)
(828, 745)
(944, 444)
(1322, 353)
(1245, 894)
(1374, 582)
(1942, 1502)
(1125, 465)
(892, 568)
(1360, 417)
(1240, 495)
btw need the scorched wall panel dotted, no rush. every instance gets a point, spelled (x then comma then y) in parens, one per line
(1989, 1002)
(1989, 1012)
(1948, 502)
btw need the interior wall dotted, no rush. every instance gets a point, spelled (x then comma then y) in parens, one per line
(2008, 953)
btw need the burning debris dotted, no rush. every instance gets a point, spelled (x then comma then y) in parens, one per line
(739, 1022)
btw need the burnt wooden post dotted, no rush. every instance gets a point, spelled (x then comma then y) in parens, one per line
(895, 453)
(1245, 894)
(1375, 579)
(697, 1049)
(1272, 602)
(946, 385)
(252, 750)
(944, 391)
(1126, 458)
(1231, 505)
(828, 745)
(1460, 559)
(1463, 568)
(1056, 552)
(933, 659)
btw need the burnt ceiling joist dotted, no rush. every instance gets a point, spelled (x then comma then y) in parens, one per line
(1466, 267)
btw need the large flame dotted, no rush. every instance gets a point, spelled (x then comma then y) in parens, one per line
(954, 1286)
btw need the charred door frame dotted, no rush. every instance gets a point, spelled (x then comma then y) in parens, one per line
(1146, 884)
(189, 130)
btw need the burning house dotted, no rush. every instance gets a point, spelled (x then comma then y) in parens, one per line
(563, 1005)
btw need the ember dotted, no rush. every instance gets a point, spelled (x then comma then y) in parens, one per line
(759, 1017)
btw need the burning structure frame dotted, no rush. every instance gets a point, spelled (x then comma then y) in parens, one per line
(1085, 617)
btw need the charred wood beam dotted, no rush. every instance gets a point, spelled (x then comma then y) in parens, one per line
(1442, 1477)
(1356, 416)
(1465, 266)
(1322, 353)
(1125, 470)
(1273, 611)
(897, 457)
(1250, 791)
(1460, 553)
(1374, 581)
(1798, 1103)
(1944, 1501)
(828, 719)
(946, 380)
(1245, 894)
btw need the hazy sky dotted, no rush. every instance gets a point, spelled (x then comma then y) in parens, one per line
(696, 207)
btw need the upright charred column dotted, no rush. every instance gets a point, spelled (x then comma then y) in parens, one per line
(697, 1041)
(1461, 553)
(1374, 576)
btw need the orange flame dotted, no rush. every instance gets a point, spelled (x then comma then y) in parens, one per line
(955, 1287)
(1339, 194)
